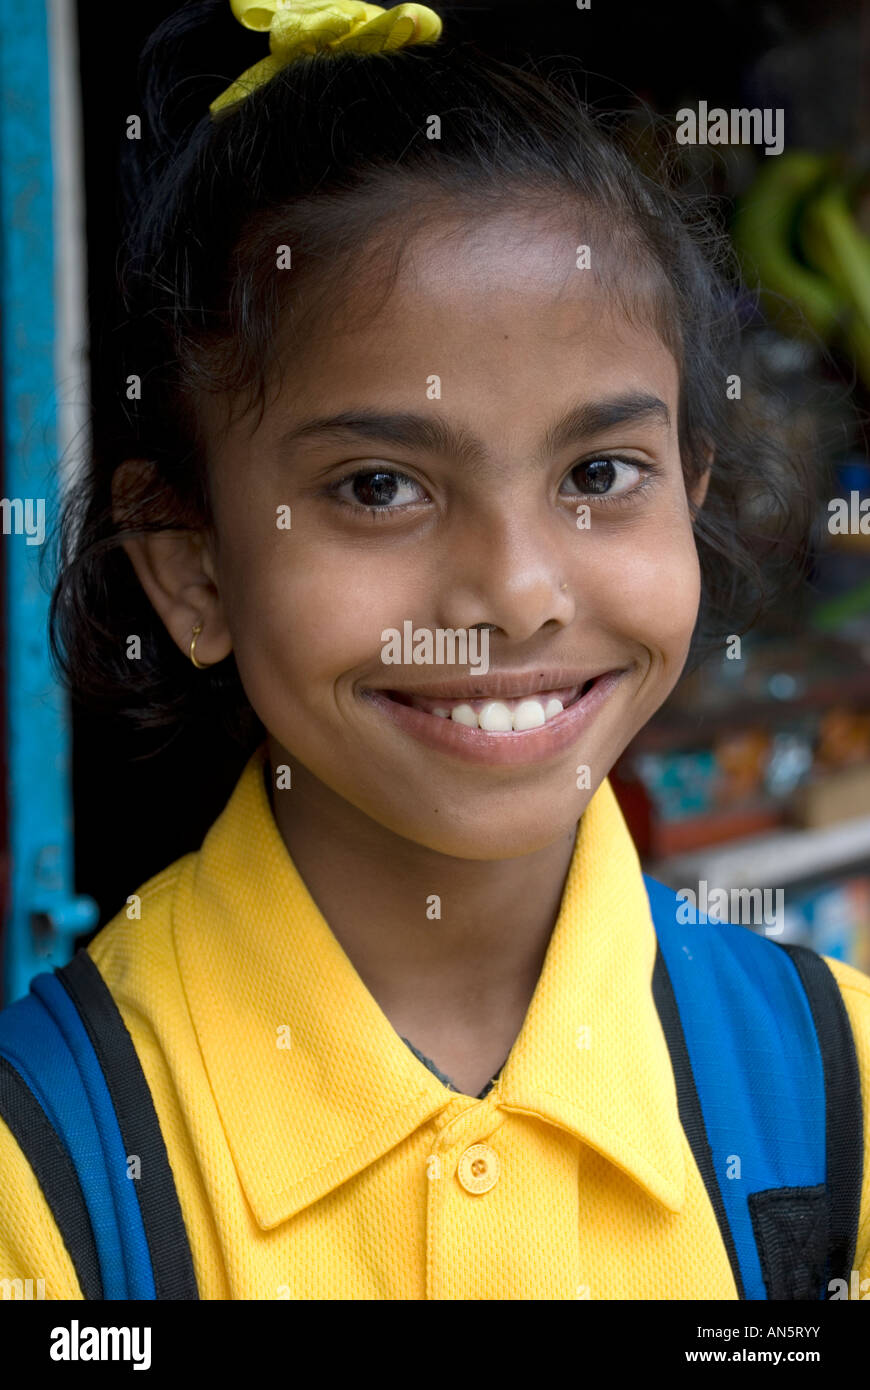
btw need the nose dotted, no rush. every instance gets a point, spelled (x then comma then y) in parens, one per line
(512, 573)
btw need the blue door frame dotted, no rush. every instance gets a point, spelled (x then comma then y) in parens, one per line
(43, 912)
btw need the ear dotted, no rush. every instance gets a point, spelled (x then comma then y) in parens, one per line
(176, 569)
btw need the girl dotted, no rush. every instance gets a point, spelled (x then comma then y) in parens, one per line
(423, 355)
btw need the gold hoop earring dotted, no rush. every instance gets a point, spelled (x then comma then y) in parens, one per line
(200, 665)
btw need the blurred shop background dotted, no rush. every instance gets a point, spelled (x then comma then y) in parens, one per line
(756, 774)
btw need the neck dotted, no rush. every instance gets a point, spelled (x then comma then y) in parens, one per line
(381, 896)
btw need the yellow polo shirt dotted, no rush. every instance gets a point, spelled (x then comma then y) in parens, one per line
(317, 1158)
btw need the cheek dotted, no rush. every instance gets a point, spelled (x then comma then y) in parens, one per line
(654, 599)
(302, 615)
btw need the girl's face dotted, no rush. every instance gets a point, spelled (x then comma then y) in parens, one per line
(492, 395)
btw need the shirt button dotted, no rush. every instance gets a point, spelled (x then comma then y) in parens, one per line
(478, 1169)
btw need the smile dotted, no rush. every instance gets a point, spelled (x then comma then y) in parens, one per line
(505, 726)
(496, 716)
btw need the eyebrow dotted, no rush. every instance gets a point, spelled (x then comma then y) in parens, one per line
(408, 430)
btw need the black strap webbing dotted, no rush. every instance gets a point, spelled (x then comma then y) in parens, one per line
(55, 1174)
(168, 1244)
(844, 1117)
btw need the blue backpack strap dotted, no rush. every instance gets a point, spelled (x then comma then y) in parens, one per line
(69, 1048)
(769, 1096)
(48, 1055)
(48, 1157)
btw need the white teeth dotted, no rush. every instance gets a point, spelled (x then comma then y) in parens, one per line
(464, 714)
(496, 717)
(531, 714)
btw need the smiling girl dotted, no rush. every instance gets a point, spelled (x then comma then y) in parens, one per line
(418, 343)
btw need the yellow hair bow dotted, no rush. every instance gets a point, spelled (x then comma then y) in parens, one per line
(309, 26)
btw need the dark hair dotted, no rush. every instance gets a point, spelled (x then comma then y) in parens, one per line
(329, 157)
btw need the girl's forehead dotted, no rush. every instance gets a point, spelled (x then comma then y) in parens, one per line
(510, 256)
(509, 313)
(463, 291)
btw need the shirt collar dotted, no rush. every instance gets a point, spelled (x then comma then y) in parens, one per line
(313, 1083)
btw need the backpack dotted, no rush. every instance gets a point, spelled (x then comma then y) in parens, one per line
(764, 1064)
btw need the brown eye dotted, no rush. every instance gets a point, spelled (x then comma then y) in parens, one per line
(598, 475)
(607, 478)
(375, 489)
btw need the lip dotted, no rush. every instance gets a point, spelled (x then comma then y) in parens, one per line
(502, 685)
(497, 749)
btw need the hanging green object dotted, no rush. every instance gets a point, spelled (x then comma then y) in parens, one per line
(796, 295)
(837, 247)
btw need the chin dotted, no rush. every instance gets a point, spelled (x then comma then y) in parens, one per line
(504, 837)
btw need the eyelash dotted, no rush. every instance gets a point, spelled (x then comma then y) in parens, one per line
(599, 499)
